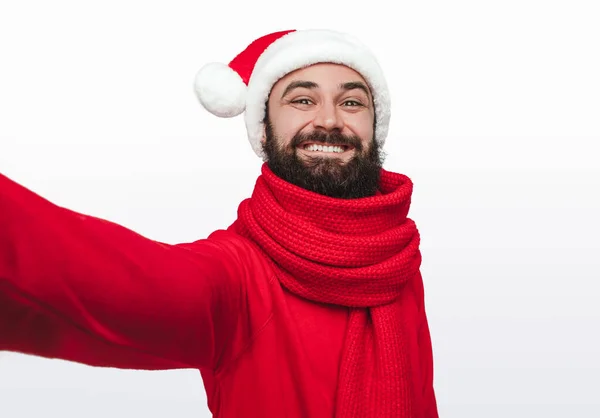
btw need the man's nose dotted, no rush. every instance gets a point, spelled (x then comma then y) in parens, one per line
(328, 118)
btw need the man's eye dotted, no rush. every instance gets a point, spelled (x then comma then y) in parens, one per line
(302, 101)
(352, 103)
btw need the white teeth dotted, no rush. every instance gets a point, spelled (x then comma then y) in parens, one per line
(315, 147)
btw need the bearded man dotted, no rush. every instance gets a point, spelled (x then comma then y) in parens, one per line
(311, 304)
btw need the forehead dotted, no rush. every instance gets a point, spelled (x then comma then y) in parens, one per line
(324, 74)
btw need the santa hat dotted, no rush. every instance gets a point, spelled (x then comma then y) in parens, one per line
(227, 90)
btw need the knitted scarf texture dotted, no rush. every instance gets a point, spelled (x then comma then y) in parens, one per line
(357, 253)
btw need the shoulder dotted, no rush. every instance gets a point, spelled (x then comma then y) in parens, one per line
(235, 244)
(245, 252)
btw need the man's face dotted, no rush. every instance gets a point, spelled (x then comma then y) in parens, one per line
(319, 132)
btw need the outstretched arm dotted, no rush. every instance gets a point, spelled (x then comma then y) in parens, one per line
(84, 289)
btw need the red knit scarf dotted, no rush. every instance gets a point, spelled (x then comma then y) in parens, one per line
(357, 253)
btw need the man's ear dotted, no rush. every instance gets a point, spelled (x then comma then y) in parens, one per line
(263, 137)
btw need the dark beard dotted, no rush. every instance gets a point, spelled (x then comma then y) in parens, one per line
(358, 178)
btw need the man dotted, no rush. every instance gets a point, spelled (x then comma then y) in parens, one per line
(310, 304)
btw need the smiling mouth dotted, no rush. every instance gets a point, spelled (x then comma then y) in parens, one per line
(316, 147)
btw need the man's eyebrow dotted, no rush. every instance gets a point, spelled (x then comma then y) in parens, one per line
(299, 84)
(351, 85)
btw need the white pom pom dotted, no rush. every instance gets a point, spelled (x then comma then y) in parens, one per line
(220, 90)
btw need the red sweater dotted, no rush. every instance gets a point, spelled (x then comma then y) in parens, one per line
(83, 289)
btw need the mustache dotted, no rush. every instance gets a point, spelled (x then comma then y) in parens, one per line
(331, 138)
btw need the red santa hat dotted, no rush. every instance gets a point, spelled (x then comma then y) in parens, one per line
(244, 85)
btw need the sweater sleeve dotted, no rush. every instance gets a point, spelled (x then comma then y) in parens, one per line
(83, 289)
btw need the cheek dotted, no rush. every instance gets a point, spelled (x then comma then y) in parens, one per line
(362, 125)
(282, 135)
(290, 124)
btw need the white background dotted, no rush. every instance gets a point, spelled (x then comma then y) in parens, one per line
(496, 118)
